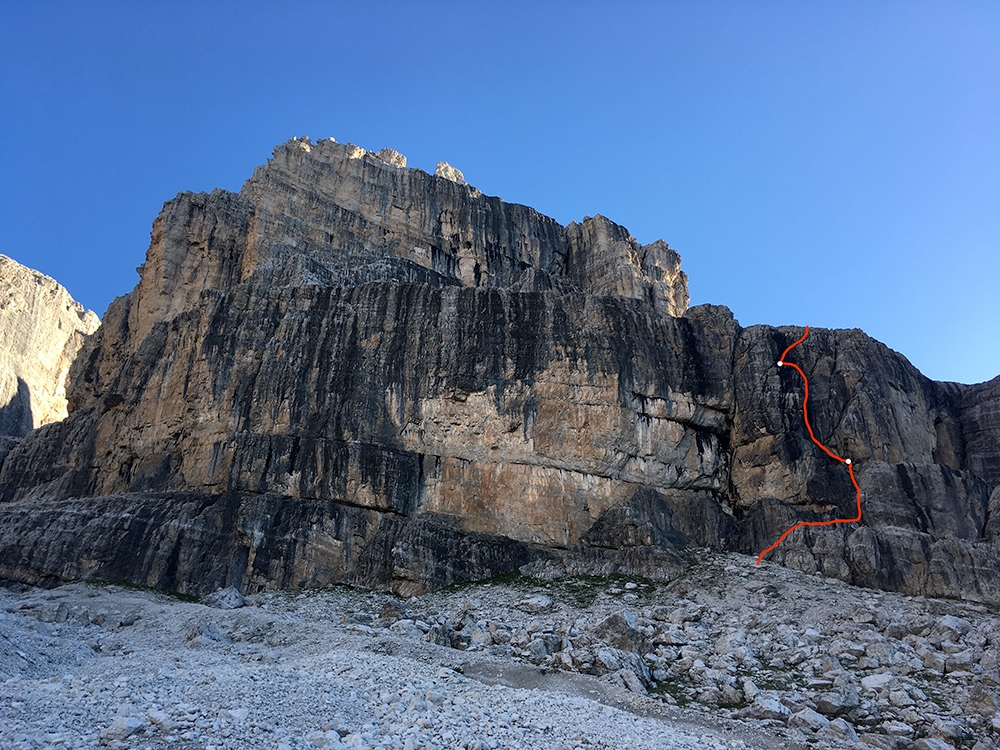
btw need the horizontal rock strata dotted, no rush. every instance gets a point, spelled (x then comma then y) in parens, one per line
(356, 371)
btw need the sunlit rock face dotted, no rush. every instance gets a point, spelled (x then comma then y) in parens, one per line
(41, 330)
(356, 371)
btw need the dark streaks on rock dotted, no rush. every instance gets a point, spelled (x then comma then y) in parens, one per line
(353, 371)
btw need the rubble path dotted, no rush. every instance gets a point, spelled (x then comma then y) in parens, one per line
(727, 656)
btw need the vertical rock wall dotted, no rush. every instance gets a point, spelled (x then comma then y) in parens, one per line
(356, 371)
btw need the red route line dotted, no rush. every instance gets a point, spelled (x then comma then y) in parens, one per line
(831, 454)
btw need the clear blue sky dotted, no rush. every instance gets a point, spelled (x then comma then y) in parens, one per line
(835, 164)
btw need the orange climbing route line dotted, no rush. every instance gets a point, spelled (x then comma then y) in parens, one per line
(830, 453)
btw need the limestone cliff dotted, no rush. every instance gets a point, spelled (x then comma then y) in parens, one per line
(356, 371)
(41, 328)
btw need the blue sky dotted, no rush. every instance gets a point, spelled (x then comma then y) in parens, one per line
(835, 164)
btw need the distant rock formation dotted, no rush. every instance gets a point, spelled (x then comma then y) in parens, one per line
(355, 371)
(42, 328)
(448, 172)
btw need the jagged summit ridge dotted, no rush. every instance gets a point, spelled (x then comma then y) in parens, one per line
(403, 223)
(335, 215)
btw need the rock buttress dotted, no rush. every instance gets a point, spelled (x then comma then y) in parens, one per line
(354, 371)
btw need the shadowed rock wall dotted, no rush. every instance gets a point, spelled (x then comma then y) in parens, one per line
(361, 372)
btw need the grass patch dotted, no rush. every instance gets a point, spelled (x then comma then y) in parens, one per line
(129, 586)
(731, 706)
(674, 688)
(580, 591)
(779, 679)
(514, 579)
(935, 696)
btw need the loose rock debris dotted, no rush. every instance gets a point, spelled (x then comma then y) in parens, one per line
(728, 656)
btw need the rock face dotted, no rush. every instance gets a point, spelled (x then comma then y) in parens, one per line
(356, 371)
(42, 328)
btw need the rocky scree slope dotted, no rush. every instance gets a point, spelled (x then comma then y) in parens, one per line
(730, 656)
(354, 371)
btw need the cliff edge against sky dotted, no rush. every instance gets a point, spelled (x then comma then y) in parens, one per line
(42, 328)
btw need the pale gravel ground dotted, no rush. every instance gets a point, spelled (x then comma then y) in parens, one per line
(296, 681)
(312, 669)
